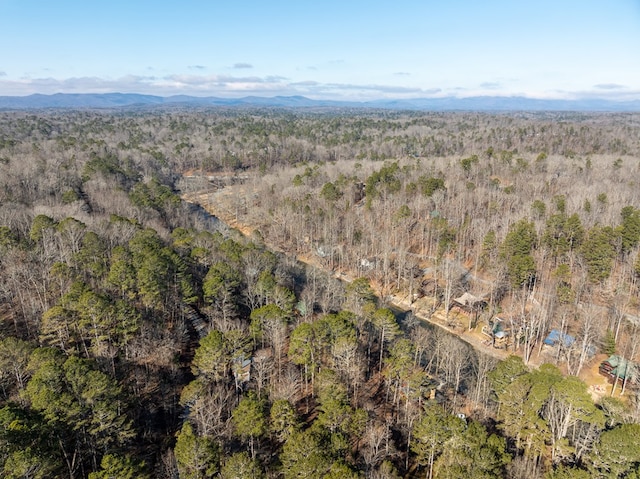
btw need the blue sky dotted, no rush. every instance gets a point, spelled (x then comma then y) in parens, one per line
(356, 50)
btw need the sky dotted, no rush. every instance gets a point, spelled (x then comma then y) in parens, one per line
(342, 50)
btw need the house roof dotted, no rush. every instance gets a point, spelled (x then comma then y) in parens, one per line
(467, 299)
(621, 367)
(556, 336)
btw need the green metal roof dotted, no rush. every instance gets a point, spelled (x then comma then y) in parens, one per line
(622, 368)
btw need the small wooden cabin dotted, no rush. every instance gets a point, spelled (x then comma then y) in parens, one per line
(618, 367)
(469, 303)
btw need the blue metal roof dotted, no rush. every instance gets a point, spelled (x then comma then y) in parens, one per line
(556, 336)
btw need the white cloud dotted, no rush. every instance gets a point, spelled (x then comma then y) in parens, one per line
(207, 85)
(609, 86)
(49, 85)
(304, 84)
(240, 85)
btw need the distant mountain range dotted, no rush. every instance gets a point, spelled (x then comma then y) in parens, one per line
(480, 103)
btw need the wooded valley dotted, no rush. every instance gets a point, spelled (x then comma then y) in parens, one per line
(141, 337)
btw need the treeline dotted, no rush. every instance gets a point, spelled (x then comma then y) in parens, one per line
(139, 338)
(239, 139)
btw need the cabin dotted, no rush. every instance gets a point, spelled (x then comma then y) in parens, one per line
(557, 337)
(617, 367)
(368, 263)
(469, 303)
(241, 370)
(495, 329)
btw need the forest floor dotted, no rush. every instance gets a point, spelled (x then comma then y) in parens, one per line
(598, 384)
(224, 203)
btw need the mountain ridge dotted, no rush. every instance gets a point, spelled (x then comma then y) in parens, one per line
(477, 103)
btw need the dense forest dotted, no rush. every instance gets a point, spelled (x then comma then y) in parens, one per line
(141, 337)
